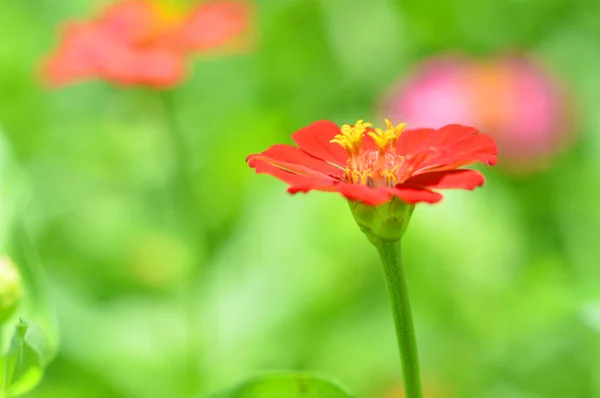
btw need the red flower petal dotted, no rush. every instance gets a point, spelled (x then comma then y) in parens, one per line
(82, 50)
(452, 133)
(159, 68)
(363, 193)
(298, 183)
(315, 140)
(478, 144)
(308, 182)
(153, 67)
(304, 179)
(312, 185)
(130, 20)
(413, 141)
(296, 161)
(477, 148)
(370, 196)
(462, 179)
(213, 24)
(414, 195)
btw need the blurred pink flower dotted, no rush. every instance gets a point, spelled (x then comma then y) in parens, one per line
(512, 98)
(144, 42)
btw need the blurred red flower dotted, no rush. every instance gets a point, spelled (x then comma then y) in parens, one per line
(373, 165)
(143, 42)
(513, 98)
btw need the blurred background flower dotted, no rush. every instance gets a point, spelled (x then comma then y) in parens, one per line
(514, 98)
(143, 42)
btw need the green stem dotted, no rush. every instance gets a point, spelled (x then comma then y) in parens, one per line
(393, 269)
(183, 190)
(184, 179)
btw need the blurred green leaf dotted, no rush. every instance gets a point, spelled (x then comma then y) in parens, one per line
(289, 385)
(23, 365)
(28, 338)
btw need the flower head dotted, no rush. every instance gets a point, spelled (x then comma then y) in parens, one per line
(142, 42)
(514, 99)
(373, 166)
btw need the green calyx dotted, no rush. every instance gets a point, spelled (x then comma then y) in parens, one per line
(385, 223)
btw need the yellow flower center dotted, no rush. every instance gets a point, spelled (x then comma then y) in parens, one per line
(350, 137)
(386, 140)
(168, 11)
(165, 16)
(370, 167)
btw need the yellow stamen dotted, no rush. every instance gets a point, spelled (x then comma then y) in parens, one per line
(372, 167)
(386, 140)
(350, 137)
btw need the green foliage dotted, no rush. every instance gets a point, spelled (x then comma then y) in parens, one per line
(289, 385)
(22, 367)
(28, 336)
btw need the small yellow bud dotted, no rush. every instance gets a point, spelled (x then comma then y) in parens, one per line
(11, 288)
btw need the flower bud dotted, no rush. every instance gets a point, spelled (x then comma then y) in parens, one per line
(385, 223)
(11, 288)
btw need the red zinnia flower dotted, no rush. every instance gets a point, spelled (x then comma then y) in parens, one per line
(374, 165)
(141, 42)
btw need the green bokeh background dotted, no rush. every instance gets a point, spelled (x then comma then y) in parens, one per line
(505, 281)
